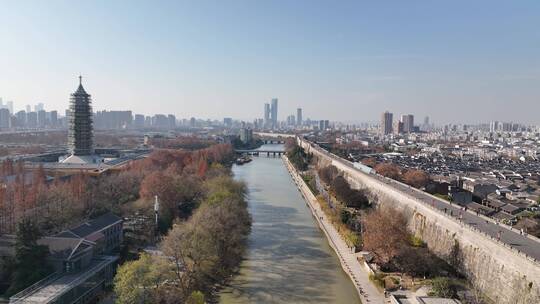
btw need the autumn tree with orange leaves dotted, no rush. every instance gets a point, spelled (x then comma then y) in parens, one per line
(389, 170)
(416, 178)
(173, 175)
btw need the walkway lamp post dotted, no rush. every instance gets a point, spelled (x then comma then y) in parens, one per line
(156, 209)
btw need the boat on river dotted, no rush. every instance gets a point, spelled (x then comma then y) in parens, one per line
(244, 159)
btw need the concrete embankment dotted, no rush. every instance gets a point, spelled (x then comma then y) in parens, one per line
(359, 276)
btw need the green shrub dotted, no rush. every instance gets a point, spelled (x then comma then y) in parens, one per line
(416, 241)
(443, 287)
(378, 279)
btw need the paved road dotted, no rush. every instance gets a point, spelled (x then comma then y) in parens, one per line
(502, 233)
(359, 275)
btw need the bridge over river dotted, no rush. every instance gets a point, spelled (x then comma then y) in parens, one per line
(277, 148)
(257, 152)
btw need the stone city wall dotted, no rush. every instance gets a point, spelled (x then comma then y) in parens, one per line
(501, 273)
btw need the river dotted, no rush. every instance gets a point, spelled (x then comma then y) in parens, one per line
(288, 259)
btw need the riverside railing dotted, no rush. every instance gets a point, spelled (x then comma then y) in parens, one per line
(16, 298)
(309, 197)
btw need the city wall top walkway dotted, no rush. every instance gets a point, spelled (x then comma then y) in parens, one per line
(502, 234)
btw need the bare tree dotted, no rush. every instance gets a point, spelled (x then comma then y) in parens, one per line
(385, 233)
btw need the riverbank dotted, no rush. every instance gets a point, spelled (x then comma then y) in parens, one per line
(366, 290)
(288, 259)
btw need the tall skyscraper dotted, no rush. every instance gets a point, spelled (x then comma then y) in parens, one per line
(299, 116)
(40, 106)
(410, 126)
(408, 123)
(386, 123)
(5, 119)
(54, 119)
(9, 106)
(274, 109)
(80, 133)
(266, 115)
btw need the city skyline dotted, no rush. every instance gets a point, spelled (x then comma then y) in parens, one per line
(213, 60)
(203, 151)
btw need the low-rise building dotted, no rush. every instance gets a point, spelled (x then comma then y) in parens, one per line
(479, 189)
(459, 196)
(83, 261)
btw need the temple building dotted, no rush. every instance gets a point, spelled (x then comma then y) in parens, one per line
(81, 132)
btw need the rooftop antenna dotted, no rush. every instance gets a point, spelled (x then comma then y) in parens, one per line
(80, 79)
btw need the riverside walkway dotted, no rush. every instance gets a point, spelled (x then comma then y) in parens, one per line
(359, 276)
(504, 235)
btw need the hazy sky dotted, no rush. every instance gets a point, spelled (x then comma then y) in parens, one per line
(456, 61)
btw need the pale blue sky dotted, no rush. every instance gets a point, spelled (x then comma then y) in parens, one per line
(456, 61)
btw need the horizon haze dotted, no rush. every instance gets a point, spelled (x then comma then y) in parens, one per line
(461, 62)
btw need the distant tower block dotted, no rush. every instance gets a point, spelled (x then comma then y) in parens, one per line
(80, 136)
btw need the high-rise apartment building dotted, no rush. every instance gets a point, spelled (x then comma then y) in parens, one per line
(113, 119)
(227, 122)
(274, 109)
(160, 121)
(291, 120)
(54, 119)
(40, 106)
(139, 121)
(42, 118)
(147, 121)
(246, 135)
(9, 106)
(299, 116)
(398, 127)
(267, 115)
(408, 123)
(386, 123)
(172, 121)
(324, 125)
(5, 119)
(31, 120)
(21, 119)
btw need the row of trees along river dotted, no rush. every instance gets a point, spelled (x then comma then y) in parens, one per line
(288, 259)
